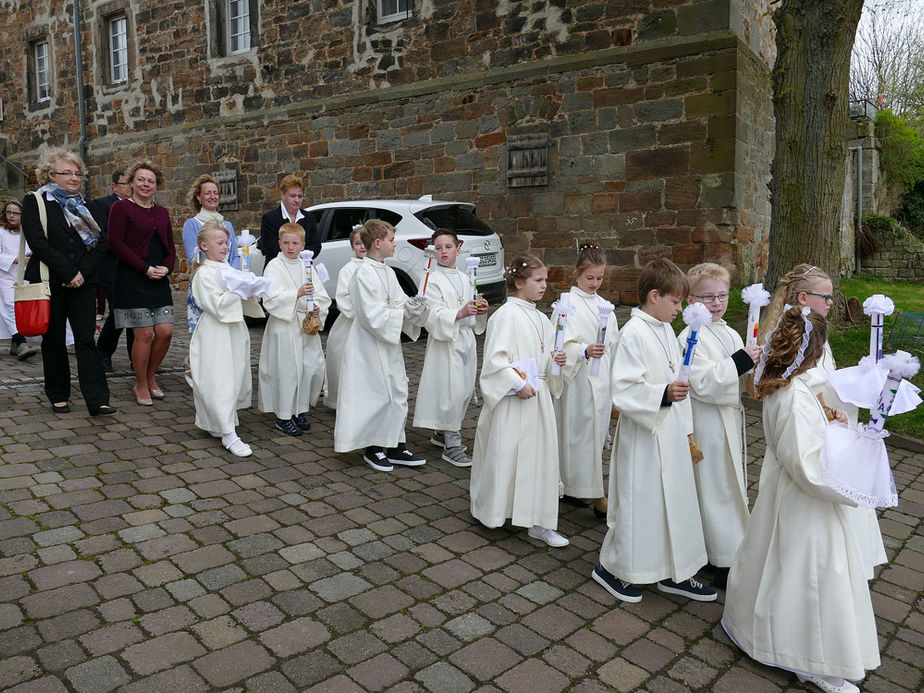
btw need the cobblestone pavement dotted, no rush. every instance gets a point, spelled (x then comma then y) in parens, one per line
(137, 555)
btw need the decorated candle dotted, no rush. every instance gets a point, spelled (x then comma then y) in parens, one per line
(471, 264)
(306, 256)
(756, 297)
(901, 365)
(876, 307)
(695, 316)
(563, 308)
(429, 253)
(605, 309)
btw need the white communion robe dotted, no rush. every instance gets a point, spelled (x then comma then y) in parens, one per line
(447, 380)
(866, 522)
(337, 336)
(219, 353)
(654, 527)
(372, 397)
(515, 458)
(797, 594)
(9, 265)
(291, 362)
(583, 410)
(718, 420)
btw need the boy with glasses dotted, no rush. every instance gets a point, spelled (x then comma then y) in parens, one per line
(715, 394)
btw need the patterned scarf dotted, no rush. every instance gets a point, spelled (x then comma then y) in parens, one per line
(75, 211)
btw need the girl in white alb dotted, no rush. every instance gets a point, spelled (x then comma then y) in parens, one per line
(797, 595)
(291, 357)
(447, 380)
(336, 338)
(583, 411)
(219, 349)
(515, 460)
(10, 237)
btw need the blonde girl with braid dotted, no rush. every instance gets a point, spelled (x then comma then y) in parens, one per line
(583, 410)
(515, 458)
(808, 285)
(797, 595)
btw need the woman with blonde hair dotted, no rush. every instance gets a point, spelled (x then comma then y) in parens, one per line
(66, 239)
(141, 237)
(203, 198)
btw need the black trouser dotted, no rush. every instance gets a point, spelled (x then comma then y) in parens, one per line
(79, 307)
(109, 334)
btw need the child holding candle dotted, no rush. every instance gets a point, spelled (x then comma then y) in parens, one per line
(221, 386)
(291, 358)
(583, 410)
(797, 595)
(715, 398)
(372, 397)
(808, 285)
(447, 380)
(336, 338)
(515, 460)
(655, 533)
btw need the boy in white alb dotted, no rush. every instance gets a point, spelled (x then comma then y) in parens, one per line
(291, 357)
(336, 338)
(447, 380)
(372, 398)
(655, 533)
(715, 393)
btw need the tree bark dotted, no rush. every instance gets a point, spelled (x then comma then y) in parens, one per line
(810, 102)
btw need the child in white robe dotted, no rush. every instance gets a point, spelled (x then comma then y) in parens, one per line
(719, 362)
(447, 380)
(515, 460)
(797, 594)
(584, 408)
(372, 399)
(219, 348)
(336, 338)
(655, 533)
(292, 360)
(808, 285)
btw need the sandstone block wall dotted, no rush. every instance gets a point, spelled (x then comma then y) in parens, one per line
(657, 114)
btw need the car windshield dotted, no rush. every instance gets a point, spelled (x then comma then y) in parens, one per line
(460, 219)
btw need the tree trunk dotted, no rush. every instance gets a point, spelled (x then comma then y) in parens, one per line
(810, 101)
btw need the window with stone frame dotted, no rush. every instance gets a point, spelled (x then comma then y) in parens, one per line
(394, 10)
(40, 70)
(117, 47)
(233, 27)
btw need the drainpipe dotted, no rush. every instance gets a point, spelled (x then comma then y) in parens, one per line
(81, 107)
(858, 254)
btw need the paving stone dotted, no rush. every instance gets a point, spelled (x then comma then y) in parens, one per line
(381, 601)
(111, 638)
(258, 616)
(445, 678)
(169, 619)
(340, 587)
(356, 647)
(99, 675)
(621, 675)
(181, 678)
(184, 590)
(452, 573)
(61, 535)
(301, 553)
(469, 627)
(162, 653)
(378, 673)
(50, 577)
(47, 684)
(219, 632)
(295, 636)
(310, 668)
(485, 659)
(270, 682)
(67, 625)
(14, 670)
(202, 559)
(233, 663)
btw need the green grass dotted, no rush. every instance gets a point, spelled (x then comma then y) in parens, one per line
(850, 342)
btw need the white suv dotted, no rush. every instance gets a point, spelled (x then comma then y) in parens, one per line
(414, 222)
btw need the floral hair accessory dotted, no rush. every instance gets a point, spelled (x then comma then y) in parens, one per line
(800, 355)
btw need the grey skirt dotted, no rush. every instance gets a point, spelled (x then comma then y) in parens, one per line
(142, 317)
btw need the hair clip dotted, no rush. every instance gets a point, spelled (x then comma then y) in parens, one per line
(808, 271)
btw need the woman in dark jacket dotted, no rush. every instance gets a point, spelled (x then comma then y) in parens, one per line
(141, 238)
(71, 251)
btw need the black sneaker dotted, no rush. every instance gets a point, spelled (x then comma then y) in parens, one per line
(620, 589)
(401, 455)
(303, 423)
(288, 427)
(376, 458)
(691, 588)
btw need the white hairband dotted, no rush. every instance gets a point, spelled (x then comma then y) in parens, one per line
(800, 356)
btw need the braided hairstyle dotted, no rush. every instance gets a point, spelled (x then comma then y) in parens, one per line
(784, 346)
(589, 254)
(804, 277)
(521, 267)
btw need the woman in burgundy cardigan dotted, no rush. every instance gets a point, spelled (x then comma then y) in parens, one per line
(141, 238)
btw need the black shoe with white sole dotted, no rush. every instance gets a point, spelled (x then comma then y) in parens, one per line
(401, 455)
(691, 588)
(376, 458)
(620, 589)
(302, 423)
(288, 427)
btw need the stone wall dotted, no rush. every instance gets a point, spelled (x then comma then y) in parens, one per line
(900, 256)
(657, 115)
